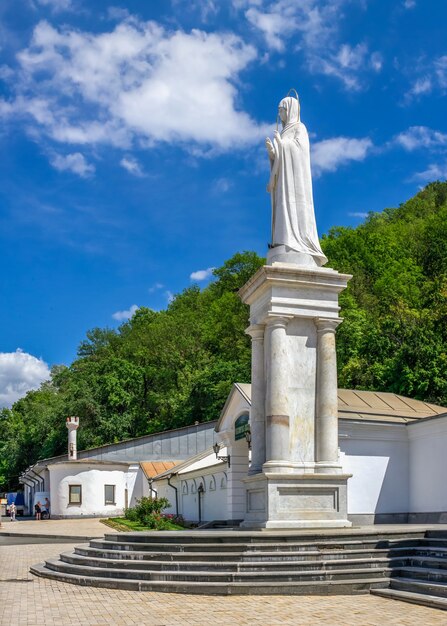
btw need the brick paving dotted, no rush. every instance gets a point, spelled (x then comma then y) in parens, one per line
(27, 600)
(85, 527)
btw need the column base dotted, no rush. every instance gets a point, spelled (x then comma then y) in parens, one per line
(282, 501)
(325, 467)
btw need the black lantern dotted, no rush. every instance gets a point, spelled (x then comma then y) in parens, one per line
(248, 438)
(226, 459)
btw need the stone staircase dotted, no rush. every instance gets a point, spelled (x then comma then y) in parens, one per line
(241, 562)
(422, 578)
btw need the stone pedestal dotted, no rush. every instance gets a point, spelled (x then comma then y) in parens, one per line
(295, 480)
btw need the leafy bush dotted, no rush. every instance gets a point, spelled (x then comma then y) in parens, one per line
(147, 512)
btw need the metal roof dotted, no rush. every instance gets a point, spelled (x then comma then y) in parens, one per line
(153, 468)
(375, 406)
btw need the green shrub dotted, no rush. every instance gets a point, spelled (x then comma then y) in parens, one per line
(147, 511)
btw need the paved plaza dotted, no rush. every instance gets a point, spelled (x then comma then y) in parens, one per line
(70, 528)
(26, 600)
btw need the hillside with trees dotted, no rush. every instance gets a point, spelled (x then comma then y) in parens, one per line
(165, 369)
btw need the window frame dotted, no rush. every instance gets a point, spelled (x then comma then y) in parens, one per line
(70, 497)
(106, 502)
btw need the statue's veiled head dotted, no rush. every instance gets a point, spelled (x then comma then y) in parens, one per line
(289, 110)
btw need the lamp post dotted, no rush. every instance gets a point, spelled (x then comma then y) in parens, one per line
(200, 491)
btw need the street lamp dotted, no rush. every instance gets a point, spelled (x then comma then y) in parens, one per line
(216, 449)
(248, 438)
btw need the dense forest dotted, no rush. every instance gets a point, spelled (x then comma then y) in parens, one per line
(164, 369)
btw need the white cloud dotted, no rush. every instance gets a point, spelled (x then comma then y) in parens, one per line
(275, 26)
(202, 274)
(117, 13)
(56, 5)
(125, 315)
(315, 25)
(433, 77)
(441, 71)
(169, 296)
(433, 172)
(409, 4)
(155, 287)
(222, 185)
(74, 162)
(205, 8)
(20, 372)
(421, 86)
(417, 137)
(360, 214)
(344, 64)
(328, 155)
(135, 83)
(132, 166)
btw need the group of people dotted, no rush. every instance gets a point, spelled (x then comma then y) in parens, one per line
(38, 509)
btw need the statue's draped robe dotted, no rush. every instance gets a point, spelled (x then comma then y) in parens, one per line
(293, 222)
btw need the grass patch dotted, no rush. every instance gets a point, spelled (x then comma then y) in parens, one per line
(122, 524)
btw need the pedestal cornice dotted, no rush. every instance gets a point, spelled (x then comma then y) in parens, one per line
(290, 276)
(292, 291)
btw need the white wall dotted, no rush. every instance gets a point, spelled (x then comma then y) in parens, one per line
(92, 478)
(214, 498)
(376, 454)
(140, 487)
(428, 466)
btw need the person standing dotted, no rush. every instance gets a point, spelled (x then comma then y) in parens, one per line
(12, 511)
(47, 507)
(38, 510)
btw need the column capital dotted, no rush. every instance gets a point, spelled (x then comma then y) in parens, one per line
(327, 324)
(278, 320)
(256, 331)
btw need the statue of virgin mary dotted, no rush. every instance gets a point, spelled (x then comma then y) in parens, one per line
(294, 231)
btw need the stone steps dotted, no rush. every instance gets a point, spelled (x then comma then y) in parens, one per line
(254, 557)
(423, 599)
(434, 562)
(264, 538)
(423, 574)
(217, 576)
(423, 580)
(400, 583)
(430, 551)
(328, 587)
(235, 566)
(243, 562)
(134, 542)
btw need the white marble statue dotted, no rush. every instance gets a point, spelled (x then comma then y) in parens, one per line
(290, 186)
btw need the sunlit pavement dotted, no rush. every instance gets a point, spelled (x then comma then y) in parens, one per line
(65, 528)
(27, 600)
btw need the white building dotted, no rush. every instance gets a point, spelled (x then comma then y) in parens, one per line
(394, 447)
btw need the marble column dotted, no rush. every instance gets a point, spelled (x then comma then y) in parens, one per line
(326, 423)
(257, 411)
(276, 402)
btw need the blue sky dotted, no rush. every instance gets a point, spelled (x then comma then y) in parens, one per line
(132, 144)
